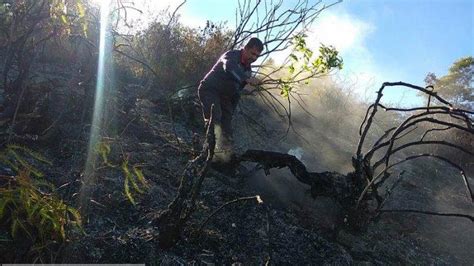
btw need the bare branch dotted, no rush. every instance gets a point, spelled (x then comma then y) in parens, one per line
(407, 124)
(432, 213)
(432, 130)
(174, 13)
(430, 142)
(462, 172)
(428, 109)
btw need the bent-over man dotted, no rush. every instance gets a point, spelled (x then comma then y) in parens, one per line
(222, 87)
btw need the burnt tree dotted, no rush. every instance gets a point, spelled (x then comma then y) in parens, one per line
(357, 192)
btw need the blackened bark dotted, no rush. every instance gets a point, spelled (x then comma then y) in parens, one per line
(331, 184)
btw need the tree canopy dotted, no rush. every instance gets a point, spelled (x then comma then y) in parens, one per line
(457, 85)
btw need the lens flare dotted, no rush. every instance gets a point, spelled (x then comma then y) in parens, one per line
(88, 179)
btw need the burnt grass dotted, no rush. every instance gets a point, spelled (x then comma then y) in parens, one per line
(246, 232)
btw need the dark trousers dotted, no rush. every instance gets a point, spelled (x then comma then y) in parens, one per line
(224, 107)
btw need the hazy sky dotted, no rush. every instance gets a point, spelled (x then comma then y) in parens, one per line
(380, 40)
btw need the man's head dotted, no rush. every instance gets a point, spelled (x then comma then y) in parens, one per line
(252, 50)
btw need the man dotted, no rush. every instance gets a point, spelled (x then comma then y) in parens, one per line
(222, 87)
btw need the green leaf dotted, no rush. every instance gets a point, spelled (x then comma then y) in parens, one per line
(76, 215)
(138, 172)
(16, 224)
(3, 203)
(80, 9)
(30, 152)
(127, 192)
(14, 227)
(291, 69)
(285, 91)
(64, 19)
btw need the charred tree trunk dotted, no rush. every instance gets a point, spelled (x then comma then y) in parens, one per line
(342, 188)
(172, 220)
(330, 184)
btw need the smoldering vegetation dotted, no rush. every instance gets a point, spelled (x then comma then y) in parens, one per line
(323, 132)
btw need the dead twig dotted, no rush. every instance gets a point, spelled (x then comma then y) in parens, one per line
(432, 213)
(256, 197)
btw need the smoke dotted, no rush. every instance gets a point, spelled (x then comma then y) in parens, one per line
(297, 152)
(324, 137)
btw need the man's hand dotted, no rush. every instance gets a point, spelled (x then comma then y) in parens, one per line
(247, 90)
(253, 81)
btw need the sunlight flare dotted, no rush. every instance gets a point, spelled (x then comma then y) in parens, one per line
(98, 113)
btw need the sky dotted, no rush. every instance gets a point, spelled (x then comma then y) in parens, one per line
(379, 40)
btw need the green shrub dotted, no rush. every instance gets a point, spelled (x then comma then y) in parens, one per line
(32, 206)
